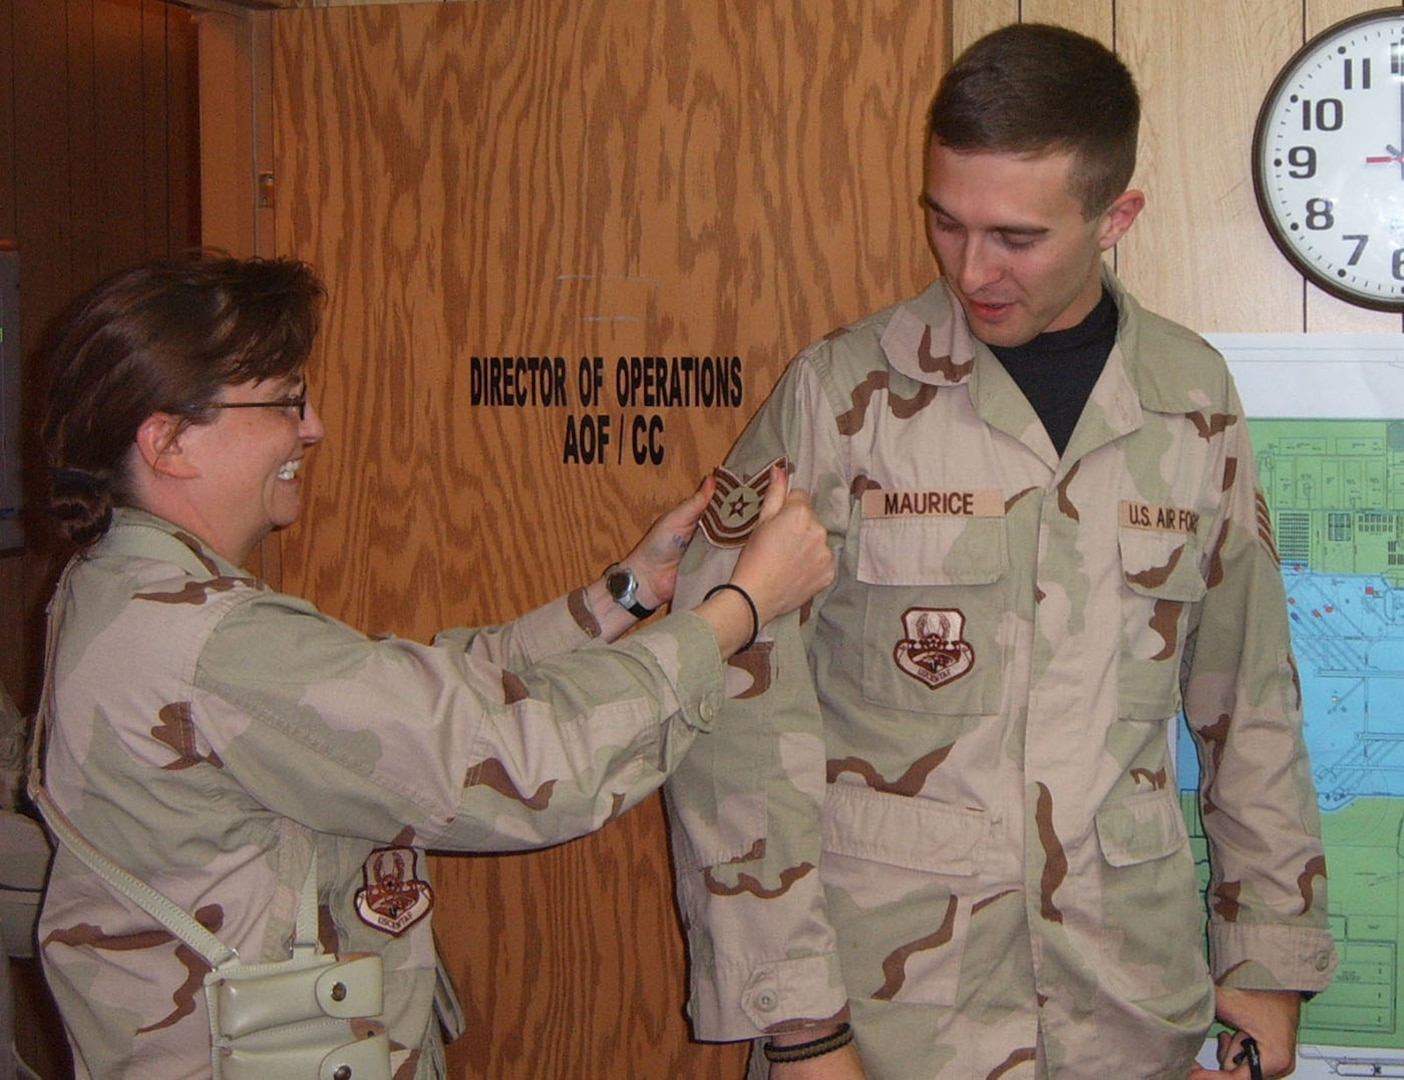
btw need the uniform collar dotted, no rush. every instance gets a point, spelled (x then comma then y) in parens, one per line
(142, 534)
(929, 340)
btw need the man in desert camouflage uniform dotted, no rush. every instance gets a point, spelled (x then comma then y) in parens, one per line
(942, 804)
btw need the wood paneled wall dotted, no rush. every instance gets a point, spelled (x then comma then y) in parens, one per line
(1199, 253)
(569, 178)
(612, 178)
(98, 169)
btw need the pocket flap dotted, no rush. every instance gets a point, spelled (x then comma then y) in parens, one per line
(897, 830)
(1141, 828)
(364, 1059)
(932, 551)
(247, 999)
(352, 988)
(1161, 565)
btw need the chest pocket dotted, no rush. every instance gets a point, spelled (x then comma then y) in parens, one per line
(1163, 581)
(933, 592)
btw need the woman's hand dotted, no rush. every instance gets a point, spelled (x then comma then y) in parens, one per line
(787, 558)
(784, 563)
(656, 558)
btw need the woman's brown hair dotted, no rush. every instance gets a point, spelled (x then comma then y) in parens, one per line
(166, 336)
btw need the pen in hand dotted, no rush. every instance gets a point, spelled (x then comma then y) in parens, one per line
(1249, 1052)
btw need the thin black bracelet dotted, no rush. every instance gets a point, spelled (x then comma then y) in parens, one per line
(804, 1051)
(755, 617)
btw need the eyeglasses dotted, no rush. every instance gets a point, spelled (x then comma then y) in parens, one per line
(298, 401)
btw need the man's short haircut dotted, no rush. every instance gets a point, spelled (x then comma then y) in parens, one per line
(1036, 89)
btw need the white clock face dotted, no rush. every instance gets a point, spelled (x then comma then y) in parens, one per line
(1328, 160)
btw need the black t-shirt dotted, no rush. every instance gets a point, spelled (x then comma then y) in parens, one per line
(1057, 369)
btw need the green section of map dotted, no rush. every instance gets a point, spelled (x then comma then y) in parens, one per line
(1336, 489)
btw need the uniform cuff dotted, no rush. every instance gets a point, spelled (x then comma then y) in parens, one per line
(772, 996)
(685, 648)
(1271, 957)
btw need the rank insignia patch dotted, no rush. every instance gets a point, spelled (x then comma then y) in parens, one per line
(735, 507)
(934, 651)
(393, 899)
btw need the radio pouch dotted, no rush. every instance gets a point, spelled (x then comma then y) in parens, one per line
(313, 1016)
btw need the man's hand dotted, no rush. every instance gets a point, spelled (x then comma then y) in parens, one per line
(1270, 1016)
(842, 1064)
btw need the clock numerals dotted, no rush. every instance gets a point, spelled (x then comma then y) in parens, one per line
(1302, 160)
(1348, 73)
(1328, 114)
(1360, 242)
(1320, 214)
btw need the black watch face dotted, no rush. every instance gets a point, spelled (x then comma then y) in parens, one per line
(620, 584)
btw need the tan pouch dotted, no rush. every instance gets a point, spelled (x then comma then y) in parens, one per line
(277, 1055)
(314, 1015)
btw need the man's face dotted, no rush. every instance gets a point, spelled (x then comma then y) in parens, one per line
(1012, 241)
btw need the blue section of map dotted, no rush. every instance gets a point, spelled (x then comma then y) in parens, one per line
(1348, 636)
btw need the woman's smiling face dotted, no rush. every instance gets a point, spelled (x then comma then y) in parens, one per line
(249, 460)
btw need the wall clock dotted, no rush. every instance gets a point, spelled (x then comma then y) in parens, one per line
(1328, 160)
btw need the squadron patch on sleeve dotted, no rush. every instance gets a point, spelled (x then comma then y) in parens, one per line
(735, 507)
(934, 651)
(393, 898)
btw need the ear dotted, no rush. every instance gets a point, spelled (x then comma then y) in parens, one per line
(1117, 218)
(158, 440)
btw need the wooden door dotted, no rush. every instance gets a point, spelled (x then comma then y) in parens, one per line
(613, 186)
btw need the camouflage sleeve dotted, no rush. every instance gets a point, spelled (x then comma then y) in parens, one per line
(392, 740)
(744, 808)
(557, 627)
(1267, 891)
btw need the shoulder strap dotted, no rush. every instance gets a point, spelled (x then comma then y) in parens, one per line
(157, 905)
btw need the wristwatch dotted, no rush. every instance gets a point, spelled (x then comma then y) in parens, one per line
(624, 587)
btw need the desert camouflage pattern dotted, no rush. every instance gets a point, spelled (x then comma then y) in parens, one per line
(208, 733)
(942, 800)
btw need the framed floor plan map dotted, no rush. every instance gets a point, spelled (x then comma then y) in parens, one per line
(1326, 418)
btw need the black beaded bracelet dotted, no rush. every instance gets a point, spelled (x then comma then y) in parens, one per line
(804, 1051)
(755, 616)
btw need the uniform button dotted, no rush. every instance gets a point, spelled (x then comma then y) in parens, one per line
(338, 991)
(708, 710)
(1323, 961)
(767, 1001)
